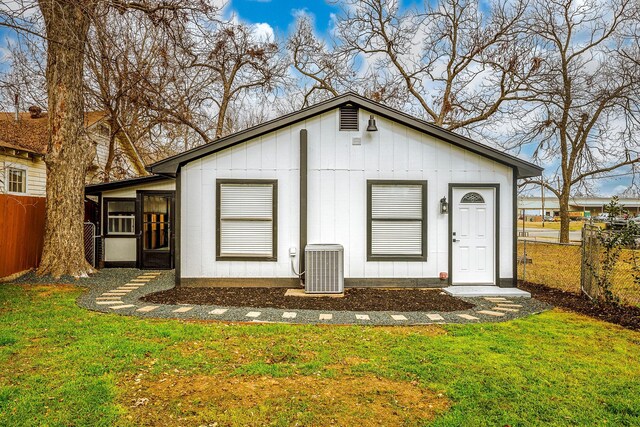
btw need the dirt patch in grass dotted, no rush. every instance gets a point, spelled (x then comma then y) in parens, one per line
(354, 299)
(48, 290)
(300, 400)
(625, 316)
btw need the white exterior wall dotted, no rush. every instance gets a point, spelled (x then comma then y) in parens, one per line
(121, 249)
(337, 186)
(36, 174)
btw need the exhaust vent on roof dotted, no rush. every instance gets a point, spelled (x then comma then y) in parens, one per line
(349, 118)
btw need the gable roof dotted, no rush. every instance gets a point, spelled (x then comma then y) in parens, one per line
(170, 166)
(32, 134)
(92, 189)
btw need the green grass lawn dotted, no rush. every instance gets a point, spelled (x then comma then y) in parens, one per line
(62, 365)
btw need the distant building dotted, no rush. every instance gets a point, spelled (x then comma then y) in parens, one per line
(579, 206)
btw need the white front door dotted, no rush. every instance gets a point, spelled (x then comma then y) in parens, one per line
(473, 236)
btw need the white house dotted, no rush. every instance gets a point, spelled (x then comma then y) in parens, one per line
(410, 202)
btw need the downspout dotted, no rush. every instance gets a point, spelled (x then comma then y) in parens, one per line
(176, 224)
(303, 203)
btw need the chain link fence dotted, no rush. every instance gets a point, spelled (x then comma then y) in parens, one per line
(573, 267)
(90, 243)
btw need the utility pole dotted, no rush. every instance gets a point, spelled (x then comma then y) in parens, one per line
(542, 194)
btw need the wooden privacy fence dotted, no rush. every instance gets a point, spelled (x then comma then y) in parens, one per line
(21, 232)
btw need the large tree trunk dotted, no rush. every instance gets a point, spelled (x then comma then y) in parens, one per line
(68, 154)
(564, 216)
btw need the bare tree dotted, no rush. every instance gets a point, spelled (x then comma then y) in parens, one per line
(122, 50)
(213, 69)
(66, 27)
(582, 114)
(456, 65)
(325, 70)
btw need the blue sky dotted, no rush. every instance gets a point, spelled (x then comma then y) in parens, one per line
(279, 14)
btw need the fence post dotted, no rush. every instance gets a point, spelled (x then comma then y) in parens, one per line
(582, 253)
(524, 261)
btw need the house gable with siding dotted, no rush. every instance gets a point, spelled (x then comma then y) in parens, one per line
(429, 175)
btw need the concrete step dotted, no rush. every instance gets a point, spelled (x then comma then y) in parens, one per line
(485, 291)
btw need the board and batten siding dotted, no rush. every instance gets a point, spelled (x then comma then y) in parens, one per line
(123, 249)
(337, 195)
(36, 174)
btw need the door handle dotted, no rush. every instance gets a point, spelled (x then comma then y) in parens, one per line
(454, 240)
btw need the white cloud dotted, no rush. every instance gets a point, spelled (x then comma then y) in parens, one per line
(263, 32)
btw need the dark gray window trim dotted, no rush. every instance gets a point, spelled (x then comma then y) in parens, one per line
(418, 258)
(496, 187)
(105, 216)
(274, 250)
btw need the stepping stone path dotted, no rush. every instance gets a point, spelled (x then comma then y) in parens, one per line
(123, 298)
(113, 297)
(491, 313)
(118, 307)
(515, 310)
(467, 317)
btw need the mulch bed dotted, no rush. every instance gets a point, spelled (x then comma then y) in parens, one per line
(354, 299)
(625, 316)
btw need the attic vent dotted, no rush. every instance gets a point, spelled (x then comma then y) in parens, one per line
(349, 118)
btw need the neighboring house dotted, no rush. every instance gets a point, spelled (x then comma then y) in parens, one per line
(411, 203)
(23, 173)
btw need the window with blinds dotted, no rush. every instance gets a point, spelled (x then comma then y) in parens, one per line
(247, 218)
(397, 221)
(120, 217)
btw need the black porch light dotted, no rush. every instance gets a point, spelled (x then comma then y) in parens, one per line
(444, 206)
(372, 125)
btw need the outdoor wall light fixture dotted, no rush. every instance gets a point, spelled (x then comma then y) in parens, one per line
(372, 125)
(444, 206)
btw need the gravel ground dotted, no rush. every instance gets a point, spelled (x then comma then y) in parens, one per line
(107, 280)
